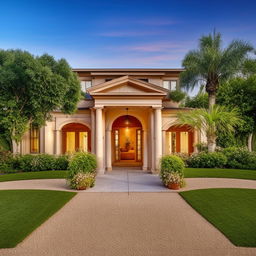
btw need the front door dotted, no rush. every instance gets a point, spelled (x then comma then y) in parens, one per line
(127, 142)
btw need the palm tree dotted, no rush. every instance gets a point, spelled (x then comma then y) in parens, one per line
(217, 118)
(211, 64)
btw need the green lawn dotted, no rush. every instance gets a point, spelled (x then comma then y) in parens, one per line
(220, 173)
(34, 175)
(22, 211)
(231, 210)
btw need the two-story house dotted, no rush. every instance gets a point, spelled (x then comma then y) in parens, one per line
(125, 119)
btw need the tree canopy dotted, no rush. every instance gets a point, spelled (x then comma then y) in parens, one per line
(240, 93)
(211, 64)
(217, 118)
(31, 87)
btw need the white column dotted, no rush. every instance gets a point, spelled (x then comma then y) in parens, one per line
(145, 151)
(41, 140)
(57, 142)
(109, 150)
(163, 142)
(152, 141)
(99, 140)
(92, 131)
(158, 137)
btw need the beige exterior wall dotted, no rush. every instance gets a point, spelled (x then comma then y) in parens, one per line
(144, 101)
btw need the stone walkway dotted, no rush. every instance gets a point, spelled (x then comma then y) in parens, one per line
(127, 224)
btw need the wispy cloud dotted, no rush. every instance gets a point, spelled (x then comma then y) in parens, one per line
(156, 47)
(153, 47)
(132, 33)
(149, 21)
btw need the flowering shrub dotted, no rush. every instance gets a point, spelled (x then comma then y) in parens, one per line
(82, 181)
(207, 160)
(82, 170)
(174, 177)
(172, 167)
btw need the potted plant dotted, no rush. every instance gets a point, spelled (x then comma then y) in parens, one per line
(174, 181)
(82, 171)
(172, 172)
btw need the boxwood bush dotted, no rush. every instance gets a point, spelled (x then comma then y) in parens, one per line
(171, 164)
(207, 160)
(240, 158)
(82, 162)
(82, 170)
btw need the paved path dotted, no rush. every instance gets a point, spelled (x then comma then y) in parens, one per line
(127, 224)
(129, 181)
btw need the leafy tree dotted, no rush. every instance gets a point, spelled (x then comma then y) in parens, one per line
(211, 64)
(31, 87)
(217, 118)
(198, 101)
(240, 93)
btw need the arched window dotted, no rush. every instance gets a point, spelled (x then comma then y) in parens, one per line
(180, 139)
(76, 137)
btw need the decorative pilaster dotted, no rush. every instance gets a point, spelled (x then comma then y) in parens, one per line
(163, 142)
(158, 137)
(99, 139)
(152, 141)
(92, 131)
(145, 151)
(109, 150)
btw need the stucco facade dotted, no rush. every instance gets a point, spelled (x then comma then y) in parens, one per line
(135, 97)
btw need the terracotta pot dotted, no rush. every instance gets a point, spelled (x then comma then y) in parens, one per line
(174, 186)
(81, 188)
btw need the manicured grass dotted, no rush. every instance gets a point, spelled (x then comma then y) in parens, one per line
(34, 175)
(22, 211)
(220, 173)
(231, 210)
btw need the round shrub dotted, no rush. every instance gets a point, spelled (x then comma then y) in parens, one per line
(177, 95)
(207, 160)
(240, 158)
(82, 162)
(171, 164)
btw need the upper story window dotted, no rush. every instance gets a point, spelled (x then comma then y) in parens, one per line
(170, 84)
(85, 85)
(144, 79)
(34, 139)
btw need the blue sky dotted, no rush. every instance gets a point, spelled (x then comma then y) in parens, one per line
(121, 33)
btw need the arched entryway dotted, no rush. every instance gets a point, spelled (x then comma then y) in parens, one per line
(127, 149)
(76, 137)
(180, 139)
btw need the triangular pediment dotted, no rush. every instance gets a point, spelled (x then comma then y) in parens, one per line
(127, 86)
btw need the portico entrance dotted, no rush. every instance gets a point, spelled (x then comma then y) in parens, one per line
(127, 141)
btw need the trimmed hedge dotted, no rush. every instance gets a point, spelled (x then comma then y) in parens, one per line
(240, 158)
(10, 163)
(207, 160)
